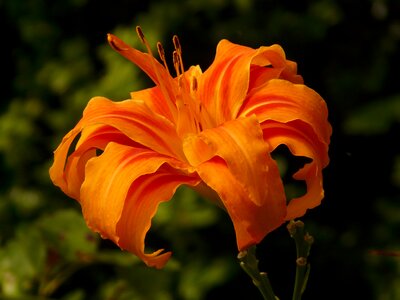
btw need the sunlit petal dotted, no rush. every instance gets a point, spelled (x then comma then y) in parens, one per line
(91, 140)
(234, 160)
(301, 141)
(295, 115)
(283, 101)
(143, 199)
(154, 99)
(122, 190)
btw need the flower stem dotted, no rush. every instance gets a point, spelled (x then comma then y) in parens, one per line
(303, 245)
(249, 263)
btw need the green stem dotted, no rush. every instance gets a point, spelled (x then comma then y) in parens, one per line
(249, 263)
(302, 272)
(303, 245)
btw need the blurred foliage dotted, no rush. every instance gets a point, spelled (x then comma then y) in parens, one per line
(55, 58)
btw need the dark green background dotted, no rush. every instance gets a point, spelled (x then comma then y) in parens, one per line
(54, 58)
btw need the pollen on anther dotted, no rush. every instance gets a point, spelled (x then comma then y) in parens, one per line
(177, 44)
(161, 51)
(176, 61)
(140, 34)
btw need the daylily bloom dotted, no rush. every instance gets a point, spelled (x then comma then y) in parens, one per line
(212, 131)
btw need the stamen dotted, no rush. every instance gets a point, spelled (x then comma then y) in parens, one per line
(178, 49)
(177, 44)
(161, 53)
(176, 61)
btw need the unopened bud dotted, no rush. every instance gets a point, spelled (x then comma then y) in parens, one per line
(301, 261)
(308, 238)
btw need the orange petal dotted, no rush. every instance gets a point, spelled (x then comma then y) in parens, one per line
(225, 83)
(234, 160)
(92, 138)
(295, 115)
(56, 172)
(301, 141)
(156, 71)
(132, 119)
(154, 99)
(144, 61)
(122, 190)
(283, 101)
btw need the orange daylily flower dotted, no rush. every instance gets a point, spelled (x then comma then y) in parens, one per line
(212, 131)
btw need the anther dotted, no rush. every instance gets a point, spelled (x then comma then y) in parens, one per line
(177, 44)
(176, 61)
(178, 50)
(140, 34)
(161, 51)
(175, 58)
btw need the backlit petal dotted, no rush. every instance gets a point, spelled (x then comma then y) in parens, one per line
(122, 190)
(234, 160)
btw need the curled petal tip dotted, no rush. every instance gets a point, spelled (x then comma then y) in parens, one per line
(115, 43)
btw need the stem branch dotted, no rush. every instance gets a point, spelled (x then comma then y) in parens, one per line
(303, 245)
(249, 264)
